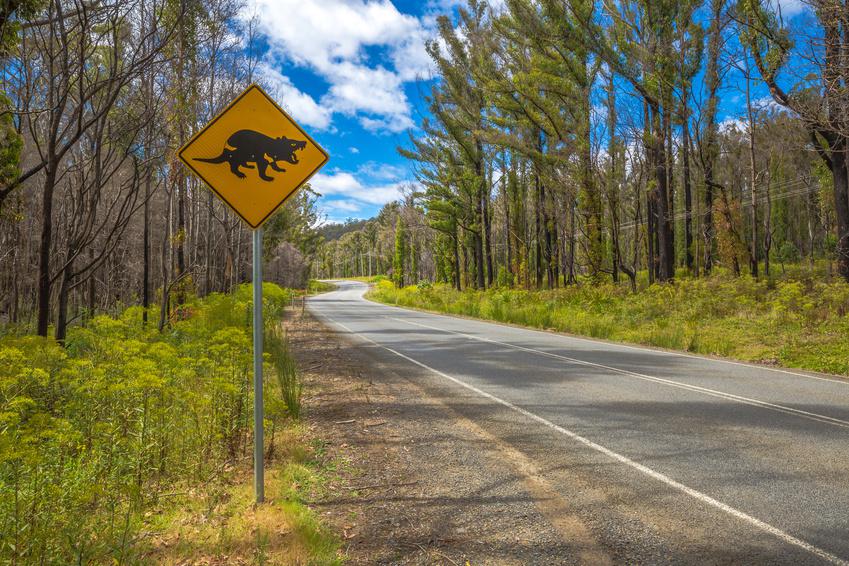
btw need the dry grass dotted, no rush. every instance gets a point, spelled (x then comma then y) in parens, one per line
(221, 525)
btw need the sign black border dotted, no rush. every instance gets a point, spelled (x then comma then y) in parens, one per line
(219, 115)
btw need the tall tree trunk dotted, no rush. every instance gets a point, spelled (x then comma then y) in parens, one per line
(45, 248)
(455, 240)
(669, 161)
(487, 227)
(613, 178)
(61, 329)
(547, 242)
(92, 284)
(688, 192)
(590, 198)
(146, 247)
(840, 172)
(572, 276)
(710, 151)
(538, 229)
(768, 228)
(508, 235)
(666, 250)
(753, 174)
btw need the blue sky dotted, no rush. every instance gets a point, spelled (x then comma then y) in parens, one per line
(353, 73)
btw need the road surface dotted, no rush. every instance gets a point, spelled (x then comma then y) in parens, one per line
(662, 457)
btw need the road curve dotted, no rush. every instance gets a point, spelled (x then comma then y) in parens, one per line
(667, 457)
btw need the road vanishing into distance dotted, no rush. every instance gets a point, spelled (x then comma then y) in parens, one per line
(660, 457)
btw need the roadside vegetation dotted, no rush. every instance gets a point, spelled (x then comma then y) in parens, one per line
(796, 321)
(130, 445)
(316, 287)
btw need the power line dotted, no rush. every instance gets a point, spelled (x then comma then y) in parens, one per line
(806, 189)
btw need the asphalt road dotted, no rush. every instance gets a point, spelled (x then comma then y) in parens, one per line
(666, 457)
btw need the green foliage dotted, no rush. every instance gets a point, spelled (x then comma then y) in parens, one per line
(11, 144)
(92, 434)
(400, 253)
(316, 286)
(793, 322)
(285, 369)
(786, 253)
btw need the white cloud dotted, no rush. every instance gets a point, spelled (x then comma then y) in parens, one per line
(343, 205)
(382, 171)
(300, 105)
(410, 57)
(768, 103)
(335, 38)
(346, 185)
(353, 150)
(392, 123)
(321, 33)
(788, 8)
(730, 124)
(357, 88)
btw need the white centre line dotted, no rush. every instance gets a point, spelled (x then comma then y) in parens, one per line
(698, 495)
(668, 382)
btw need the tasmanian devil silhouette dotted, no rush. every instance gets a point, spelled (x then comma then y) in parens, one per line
(249, 146)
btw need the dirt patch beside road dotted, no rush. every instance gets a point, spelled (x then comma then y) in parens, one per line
(419, 483)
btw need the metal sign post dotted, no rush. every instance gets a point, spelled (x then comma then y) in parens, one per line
(259, 468)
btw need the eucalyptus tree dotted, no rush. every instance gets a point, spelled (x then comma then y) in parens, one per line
(708, 142)
(818, 94)
(446, 195)
(545, 86)
(458, 105)
(690, 45)
(635, 42)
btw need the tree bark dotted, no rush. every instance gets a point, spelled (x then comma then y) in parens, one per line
(666, 250)
(709, 148)
(45, 249)
(688, 192)
(753, 248)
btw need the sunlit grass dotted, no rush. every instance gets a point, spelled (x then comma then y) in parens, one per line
(796, 321)
(222, 524)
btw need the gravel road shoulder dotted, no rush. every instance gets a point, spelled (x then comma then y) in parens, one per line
(423, 484)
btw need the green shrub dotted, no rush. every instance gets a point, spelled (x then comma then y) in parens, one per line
(285, 370)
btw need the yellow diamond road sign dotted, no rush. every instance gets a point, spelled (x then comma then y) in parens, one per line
(253, 155)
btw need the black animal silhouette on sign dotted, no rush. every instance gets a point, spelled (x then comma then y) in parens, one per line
(249, 146)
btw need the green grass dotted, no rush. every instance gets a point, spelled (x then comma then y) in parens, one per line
(290, 385)
(316, 286)
(798, 321)
(367, 279)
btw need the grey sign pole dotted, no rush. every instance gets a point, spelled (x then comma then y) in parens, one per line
(259, 471)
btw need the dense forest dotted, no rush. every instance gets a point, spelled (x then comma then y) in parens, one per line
(96, 213)
(584, 141)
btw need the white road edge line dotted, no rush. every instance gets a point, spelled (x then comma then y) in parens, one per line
(615, 344)
(704, 498)
(695, 388)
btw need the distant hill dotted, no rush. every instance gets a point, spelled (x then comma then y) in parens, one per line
(337, 230)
